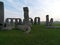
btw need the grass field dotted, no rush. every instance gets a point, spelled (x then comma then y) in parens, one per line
(39, 35)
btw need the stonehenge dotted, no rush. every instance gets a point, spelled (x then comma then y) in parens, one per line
(26, 24)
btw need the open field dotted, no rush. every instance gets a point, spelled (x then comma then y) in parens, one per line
(39, 35)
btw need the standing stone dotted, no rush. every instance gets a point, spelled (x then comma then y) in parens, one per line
(47, 20)
(51, 22)
(37, 20)
(1, 15)
(26, 15)
(26, 12)
(26, 22)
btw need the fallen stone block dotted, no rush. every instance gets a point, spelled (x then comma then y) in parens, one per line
(24, 28)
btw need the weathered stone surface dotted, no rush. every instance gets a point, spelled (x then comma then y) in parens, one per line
(26, 15)
(1, 15)
(37, 20)
(26, 12)
(8, 28)
(47, 20)
(26, 22)
(12, 24)
(9, 24)
(24, 28)
(15, 22)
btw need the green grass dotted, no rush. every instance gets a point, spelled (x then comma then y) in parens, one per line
(39, 35)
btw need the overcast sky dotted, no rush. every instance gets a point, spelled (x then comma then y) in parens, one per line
(37, 8)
